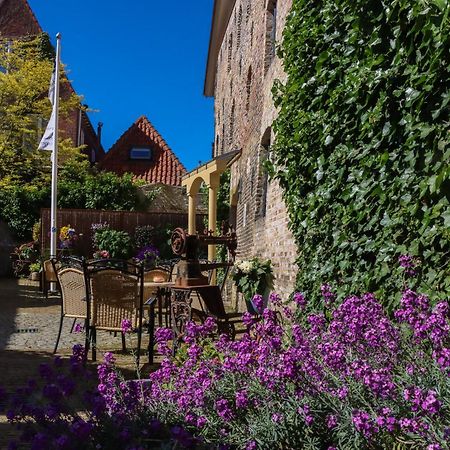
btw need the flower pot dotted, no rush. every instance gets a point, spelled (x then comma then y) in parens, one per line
(34, 276)
(251, 307)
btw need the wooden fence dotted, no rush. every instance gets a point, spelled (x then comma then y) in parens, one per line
(82, 219)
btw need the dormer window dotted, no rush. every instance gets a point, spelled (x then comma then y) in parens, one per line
(143, 153)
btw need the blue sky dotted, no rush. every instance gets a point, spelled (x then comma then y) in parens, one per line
(139, 57)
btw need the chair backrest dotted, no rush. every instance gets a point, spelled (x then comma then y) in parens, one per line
(49, 272)
(157, 275)
(211, 297)
(115, 294)
(73, 292)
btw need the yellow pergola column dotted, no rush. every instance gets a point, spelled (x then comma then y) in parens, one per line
(192, 203)
(213, 187)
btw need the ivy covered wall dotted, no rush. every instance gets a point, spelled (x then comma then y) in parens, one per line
(362, 140)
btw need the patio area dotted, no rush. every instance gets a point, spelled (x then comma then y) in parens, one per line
(28, 330)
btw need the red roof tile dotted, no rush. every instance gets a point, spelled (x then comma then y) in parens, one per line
(164, 166)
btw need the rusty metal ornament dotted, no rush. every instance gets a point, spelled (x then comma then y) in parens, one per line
(181, 313)
(178, 241)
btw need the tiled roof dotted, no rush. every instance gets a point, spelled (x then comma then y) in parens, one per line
(164, 167)
(17, 19)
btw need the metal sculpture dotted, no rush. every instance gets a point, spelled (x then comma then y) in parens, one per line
(189, 270)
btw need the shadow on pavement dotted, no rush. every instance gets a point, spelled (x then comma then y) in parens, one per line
(17, 295)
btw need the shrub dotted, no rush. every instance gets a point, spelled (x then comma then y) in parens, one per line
(348, 377)
(144, 235)
(117, 243)
(362, 144)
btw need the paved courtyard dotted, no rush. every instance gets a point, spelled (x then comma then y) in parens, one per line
(28, 329)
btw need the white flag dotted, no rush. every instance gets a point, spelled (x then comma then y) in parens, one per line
(48, 140)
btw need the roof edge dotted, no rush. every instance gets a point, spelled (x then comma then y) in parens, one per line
(222, 10)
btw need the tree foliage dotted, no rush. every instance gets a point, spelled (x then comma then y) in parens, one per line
(24, 109)
(362, 139)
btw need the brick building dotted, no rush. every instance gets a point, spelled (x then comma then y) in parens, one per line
(241, 69)
(17, 21)
(142, 151)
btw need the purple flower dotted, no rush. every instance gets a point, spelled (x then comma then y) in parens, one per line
(328, 296)
(408, 263)
(277, 417)
(224, 410)
(274, 298)
(241, 399)
(331, 421)
(364, 423)
(299, 299)
(149, 254)
(78, 328)
(258, 303)
(127, 326)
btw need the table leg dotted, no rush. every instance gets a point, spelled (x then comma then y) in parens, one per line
(180, 308)
(151, 330)
(159, 295)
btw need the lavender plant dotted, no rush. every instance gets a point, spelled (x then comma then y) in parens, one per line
(355, 380)
(346, 377)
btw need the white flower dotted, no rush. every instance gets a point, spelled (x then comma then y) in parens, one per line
(246, 266)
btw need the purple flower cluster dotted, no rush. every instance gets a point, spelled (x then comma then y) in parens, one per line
(409, 265)
(357, 357)
(328, 295)
(352, 370)
(149, 254)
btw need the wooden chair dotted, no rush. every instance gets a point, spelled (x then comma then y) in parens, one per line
(211, 303)
(48, 275)
(115, 293)
(70, 276)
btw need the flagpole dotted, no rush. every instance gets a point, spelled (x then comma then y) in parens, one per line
(53, 207)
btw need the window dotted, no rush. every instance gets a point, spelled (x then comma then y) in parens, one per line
(230, 51)
(144, 153)
(248, 89)
(232, 118)
(263, 177)
(271, 33)
(239, 26)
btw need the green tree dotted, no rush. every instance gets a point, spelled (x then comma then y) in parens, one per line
(24, 108)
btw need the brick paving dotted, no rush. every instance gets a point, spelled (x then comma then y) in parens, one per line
(28, 329)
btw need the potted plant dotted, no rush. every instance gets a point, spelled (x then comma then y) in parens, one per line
(253, 276)
(34, 270)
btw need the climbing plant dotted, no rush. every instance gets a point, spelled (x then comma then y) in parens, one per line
(362, 140)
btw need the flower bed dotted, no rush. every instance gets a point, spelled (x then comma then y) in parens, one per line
(348, 377)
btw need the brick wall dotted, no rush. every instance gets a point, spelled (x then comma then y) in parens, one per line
(244, 112)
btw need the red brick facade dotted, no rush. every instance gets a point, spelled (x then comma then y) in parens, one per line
(163, 165)
(17, 20)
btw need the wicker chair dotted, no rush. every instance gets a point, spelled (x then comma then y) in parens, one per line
(70, 276)
(115, 294)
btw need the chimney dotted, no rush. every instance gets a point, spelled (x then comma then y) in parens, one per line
(99, 132)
